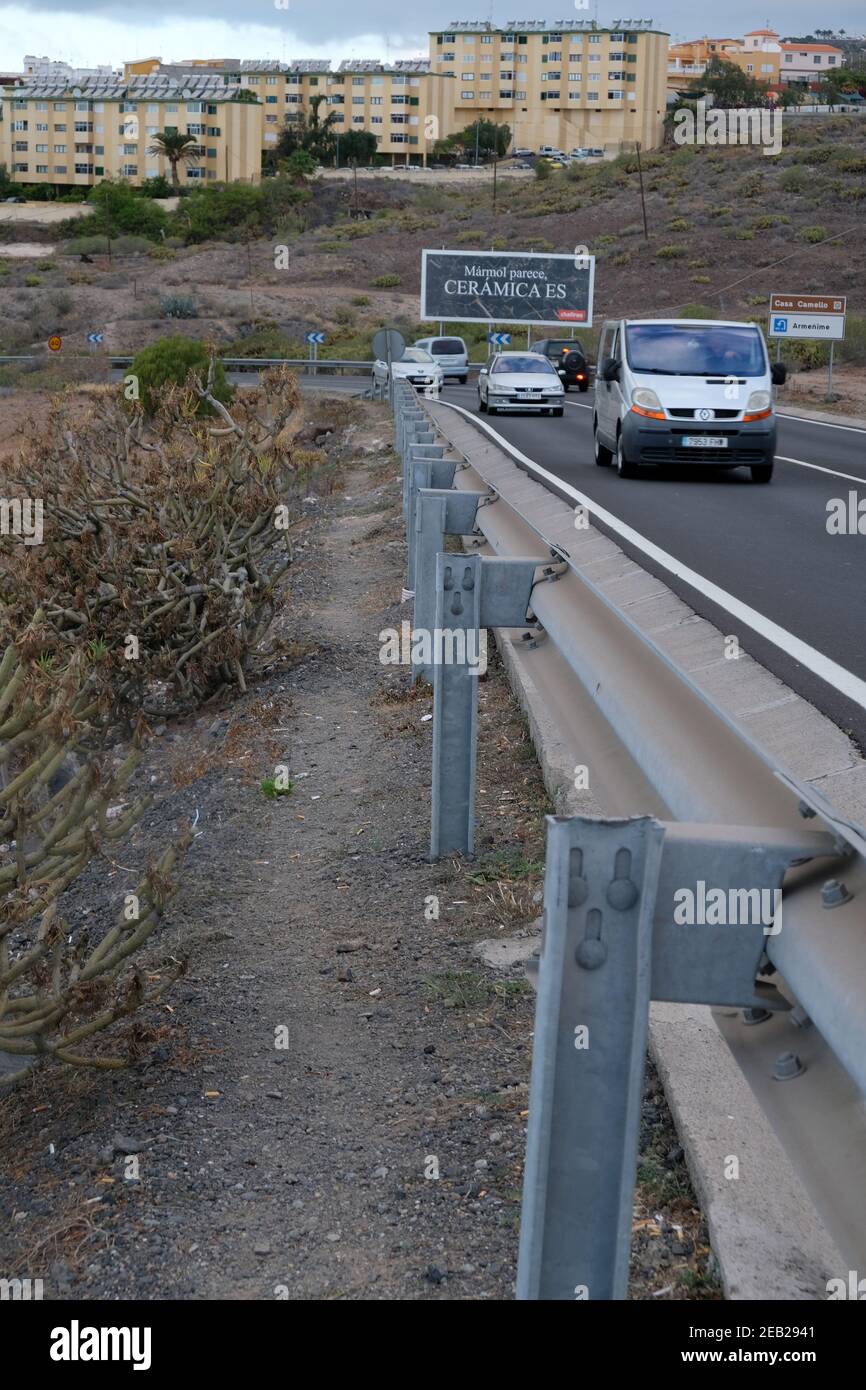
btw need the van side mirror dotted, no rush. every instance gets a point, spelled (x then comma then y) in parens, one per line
(778, 373)
(482, 371)
(610, 369)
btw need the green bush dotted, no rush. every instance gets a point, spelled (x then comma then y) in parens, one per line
(118, 208)
(170, 360)
(795, 180)
(670, 253)
(679, 224)
(265, 339)
(360, 300)
(178, 306)
(31, 281)
(696, 311)
(812, 234)
(385, 282)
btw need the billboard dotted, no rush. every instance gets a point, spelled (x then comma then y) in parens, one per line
(507, 287)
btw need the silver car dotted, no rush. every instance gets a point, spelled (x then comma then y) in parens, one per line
(520, 381)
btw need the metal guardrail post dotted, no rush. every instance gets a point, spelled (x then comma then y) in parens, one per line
(423, 472)
(472, 593)
(413, 434)
(614, 938)
(437, 514)
(588, 1058)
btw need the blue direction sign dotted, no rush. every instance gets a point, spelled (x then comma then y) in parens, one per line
(499, 339)
(314, 337)
(95, 337)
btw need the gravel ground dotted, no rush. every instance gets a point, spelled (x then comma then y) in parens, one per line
(334, 1046)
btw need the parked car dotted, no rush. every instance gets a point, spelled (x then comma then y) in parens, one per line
(691, 391)
(451, 354)
(415, 366)
(15, 200)
(569, 360)
(522, 154)
(521, 164)
(519, 381)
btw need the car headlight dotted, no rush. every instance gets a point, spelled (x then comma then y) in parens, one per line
(553, 391)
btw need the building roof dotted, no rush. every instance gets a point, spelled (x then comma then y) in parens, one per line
(810, 48)
(153, 86)
(762, 33)
(546, 26)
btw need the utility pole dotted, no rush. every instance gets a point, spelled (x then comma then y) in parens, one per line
(495, 167)
(642, 198)
(477, 136)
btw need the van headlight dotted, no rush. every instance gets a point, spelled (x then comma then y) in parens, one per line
(646, 402)
(758, 406)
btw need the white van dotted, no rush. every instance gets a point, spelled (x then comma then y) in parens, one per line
(690, 391)
(451, 354)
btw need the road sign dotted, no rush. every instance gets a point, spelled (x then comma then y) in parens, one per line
(55, 343)
(95, 337)
(388, 345)
(499, 339)
(819, 317)
(314, 337)
(507, 287)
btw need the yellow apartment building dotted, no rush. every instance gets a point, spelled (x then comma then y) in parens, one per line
(404, 104)
(567, 84)
(75, 137)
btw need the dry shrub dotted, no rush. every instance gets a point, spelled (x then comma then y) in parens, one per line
(59, 813)
(165, 538)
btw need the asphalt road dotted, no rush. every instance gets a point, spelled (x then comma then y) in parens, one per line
(785, 578)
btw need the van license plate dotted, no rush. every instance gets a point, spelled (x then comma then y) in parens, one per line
(704, 441)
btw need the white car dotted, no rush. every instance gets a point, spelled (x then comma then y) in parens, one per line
(415, 366)
(520, 381)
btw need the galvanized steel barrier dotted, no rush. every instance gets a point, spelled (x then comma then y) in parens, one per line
(612, 941)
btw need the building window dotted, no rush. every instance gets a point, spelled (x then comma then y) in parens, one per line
(41, 125)
(357, 120)
(375, 101)
(195, 173)
(59, 149)
(357, 101)
(84, 168)
(614, 96)
(41, 149)
(20, 168)
(19, 125)
(60, 168)
(464, 96)
(467, 76)
(59, 105)
(375, 120)
(58, 127)
(592, 96)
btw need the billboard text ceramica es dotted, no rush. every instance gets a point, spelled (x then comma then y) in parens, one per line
(507, 287)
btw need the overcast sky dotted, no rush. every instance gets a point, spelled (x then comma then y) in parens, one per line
(87, 32)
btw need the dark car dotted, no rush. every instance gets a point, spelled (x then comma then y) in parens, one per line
(568, 358)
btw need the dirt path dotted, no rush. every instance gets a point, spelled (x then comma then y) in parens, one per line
(310, 1170)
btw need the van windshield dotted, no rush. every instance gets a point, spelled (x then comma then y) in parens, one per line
(671, 349)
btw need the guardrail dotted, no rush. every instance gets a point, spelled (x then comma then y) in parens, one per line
(728, 816)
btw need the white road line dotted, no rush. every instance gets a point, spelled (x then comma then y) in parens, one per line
(852, 477)
(827, 424)
(820, 665)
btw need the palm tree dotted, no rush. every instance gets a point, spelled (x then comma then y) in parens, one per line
(177, 149)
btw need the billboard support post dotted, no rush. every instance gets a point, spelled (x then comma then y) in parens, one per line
(830, 373)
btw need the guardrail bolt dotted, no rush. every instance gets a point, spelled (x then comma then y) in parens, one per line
(834, 893)
(752, 1016)
(788, 1065)
(806, 811)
